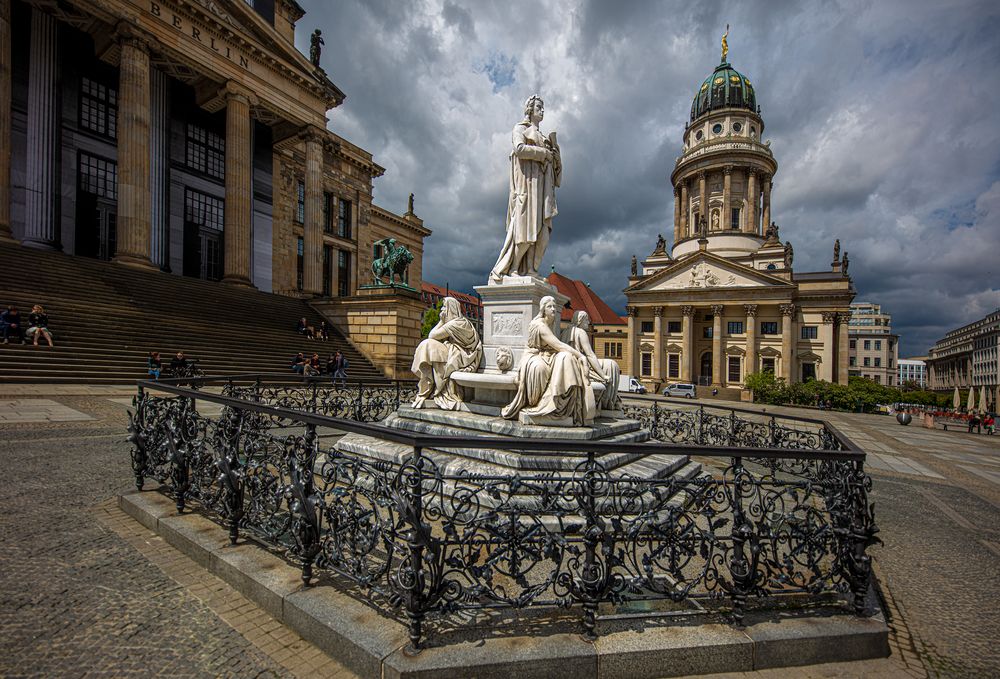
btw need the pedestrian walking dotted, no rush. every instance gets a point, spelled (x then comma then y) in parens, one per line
(340, 366)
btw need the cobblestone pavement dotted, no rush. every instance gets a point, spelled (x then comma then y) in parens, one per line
(86, 591)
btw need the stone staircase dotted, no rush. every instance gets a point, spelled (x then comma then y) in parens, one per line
(107, 317)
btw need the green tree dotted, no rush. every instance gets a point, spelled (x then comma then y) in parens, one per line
(431, 317)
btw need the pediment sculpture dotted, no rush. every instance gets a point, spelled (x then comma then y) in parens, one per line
(453, 345)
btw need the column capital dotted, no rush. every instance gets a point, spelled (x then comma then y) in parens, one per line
(233, 91)
(687, 310)
(128, 35)
(677, 191)
(727, 170)
(311, 133)
(829, 317)
(752, 171)
(657, 311)
(632, 311)
(751, 310)
(787, 309)
(843, 317)
(702, 174)
(718, 309)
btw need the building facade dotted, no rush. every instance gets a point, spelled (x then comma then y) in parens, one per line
(912, 370)
(967, 357)
(874, 349)
(189, 137)
(725, 301)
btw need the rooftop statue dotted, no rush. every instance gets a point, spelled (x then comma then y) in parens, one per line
(725, 43)
(661, 244)
(535, 173)
(316, 46)
(836, 250)
(553, 386)
(603, 370)
(452, 345)
(635, 266)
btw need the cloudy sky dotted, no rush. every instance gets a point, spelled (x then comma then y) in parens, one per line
(883, 117)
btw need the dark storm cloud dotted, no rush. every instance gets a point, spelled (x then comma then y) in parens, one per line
(880, 115)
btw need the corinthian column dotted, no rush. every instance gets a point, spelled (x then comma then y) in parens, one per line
(766, 185)
(843, 347)
(658, 372)
(717, 348)
(751, 221)
(677, 214)
(685, 209)
(750, 363)
(40, 228)
(134, 214)
(788, 342)
(726, 222)
(5, 116)
(827, 338)
(687, 343)
(312, 241)
(633, 362)
(702, 198)
(239, 177)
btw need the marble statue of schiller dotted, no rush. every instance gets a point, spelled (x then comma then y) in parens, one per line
(535, 172)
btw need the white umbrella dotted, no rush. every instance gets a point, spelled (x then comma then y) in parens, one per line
(956, 400)
(970, 404)
(982, 400)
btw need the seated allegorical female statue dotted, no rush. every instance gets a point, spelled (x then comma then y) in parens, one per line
(603, 370)
(553, 387)
(451, 346)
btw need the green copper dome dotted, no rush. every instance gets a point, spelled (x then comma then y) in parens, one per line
(725, 88)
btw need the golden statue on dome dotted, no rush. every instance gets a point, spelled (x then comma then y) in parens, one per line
(725, 44)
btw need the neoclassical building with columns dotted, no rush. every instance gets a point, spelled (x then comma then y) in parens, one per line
(725, 300)
(189, 136)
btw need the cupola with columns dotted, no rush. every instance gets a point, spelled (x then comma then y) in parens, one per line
(722, 180)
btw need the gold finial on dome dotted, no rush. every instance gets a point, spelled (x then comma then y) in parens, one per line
(725, 44)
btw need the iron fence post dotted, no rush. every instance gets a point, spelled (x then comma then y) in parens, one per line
(312, 399)
(741, 568)
(701, 425)
(416, 581)
(308, 524)
(137, 437)
(655, 429)
(774, 433)
(357, 402)
(862, 534)
(232, 479)
(590, 575)
(732, 428)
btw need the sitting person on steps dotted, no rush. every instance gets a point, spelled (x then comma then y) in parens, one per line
(38, 325)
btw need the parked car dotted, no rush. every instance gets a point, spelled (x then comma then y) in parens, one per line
(629, 384)
(679, 389)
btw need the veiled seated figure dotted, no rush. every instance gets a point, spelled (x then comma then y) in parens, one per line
(603, 370)
(451, 346)
(553, 387)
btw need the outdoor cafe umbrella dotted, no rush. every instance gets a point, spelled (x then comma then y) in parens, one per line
(970, 405)
(982, 400)
(956, 400)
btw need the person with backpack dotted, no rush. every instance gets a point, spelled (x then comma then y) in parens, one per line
(340, 366)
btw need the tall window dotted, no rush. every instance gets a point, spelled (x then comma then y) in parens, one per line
(706, 332)
(868, 345)
(868, 362)
(734, 369)
(767, 365)
(206, 151)
(98, 176)
(300, 205)
(327, 273)
(809, 332)
(674, 366)
(299, 263)
(878, 362)
(878, 345)
(328, 203)
(204, 210)
(854, 344)
(98, 108)
(343, 273)
(204, 221)
(344, 219)
(647, 364)
(734, 221)
(735, 327)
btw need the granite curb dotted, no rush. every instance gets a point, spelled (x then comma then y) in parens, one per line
(371, 644)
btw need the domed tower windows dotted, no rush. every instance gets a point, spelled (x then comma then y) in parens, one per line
(698, 135)
(737, 127)
(717, 128)
(753, 132)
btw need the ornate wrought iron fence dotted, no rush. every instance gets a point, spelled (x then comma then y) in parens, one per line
(770, 523)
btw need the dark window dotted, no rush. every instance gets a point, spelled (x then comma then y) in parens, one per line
(854, 344)
(343, 273)
(709, 317)
(738, 127)
(890, 362)
(878, 345)
(734, 220)
(878, 362)
(612, 350)
(717, 128)
(767, 365)
(98, 176)
(673, 366)
(328, 203)
(735, 327)
(768, 327)
(327, 272)
(673, 326)
(204, 210)
(808, 371)
(868, 362)
(98, 108)
(809, 332)
(300, 208)
(706, 332)
(878, 379)
(868, 345)
(206, 151)
(853, 361)
(646, 326)
(734, 368)
(647, 364)
(299, 261)
(344, 219)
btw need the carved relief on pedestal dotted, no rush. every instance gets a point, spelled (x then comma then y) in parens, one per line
(508, 324)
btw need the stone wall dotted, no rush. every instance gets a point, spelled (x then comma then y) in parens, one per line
(383, 324)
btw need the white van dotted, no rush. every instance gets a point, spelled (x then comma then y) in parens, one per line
(629, 384)
(680, 389)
